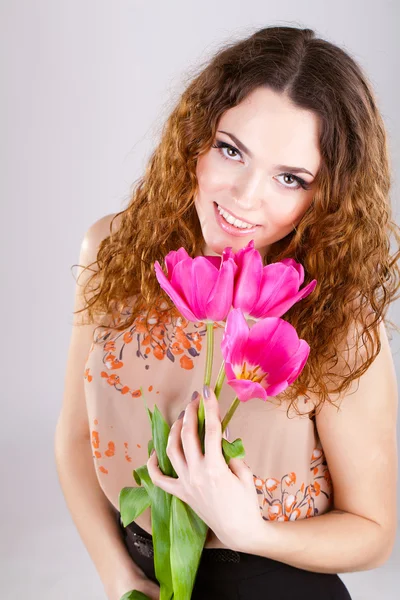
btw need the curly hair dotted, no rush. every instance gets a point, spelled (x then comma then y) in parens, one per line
(343, 240)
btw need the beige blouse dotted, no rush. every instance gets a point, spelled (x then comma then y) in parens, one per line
(165, 356)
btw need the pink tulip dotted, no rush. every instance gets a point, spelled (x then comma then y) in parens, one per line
(267, 291)
(202, 287)
(263, 360)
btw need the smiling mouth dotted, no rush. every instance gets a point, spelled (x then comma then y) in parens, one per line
(232, 229)
(226, 213)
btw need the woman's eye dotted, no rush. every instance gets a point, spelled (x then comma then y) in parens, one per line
(300, 183)
(221, 146)
(225, 151)
(290, 184)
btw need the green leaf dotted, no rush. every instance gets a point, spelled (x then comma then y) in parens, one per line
(137, 477)
(160, 431)
(150, 446)
(134, 595)
(160, 513)
(233, 449)
(160, 501)
(201, 426)
(132, 502)
(188, 535)
(149, 413)
(160, 505)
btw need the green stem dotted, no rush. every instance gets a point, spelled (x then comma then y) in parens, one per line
(207, 380)
(210, 353)
(220, 380)
(230, 413)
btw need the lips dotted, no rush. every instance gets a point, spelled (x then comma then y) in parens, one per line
(231, 229)
(236, 216)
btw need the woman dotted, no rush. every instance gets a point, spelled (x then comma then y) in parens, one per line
(277, 140)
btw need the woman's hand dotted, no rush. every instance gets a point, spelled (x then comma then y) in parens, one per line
(141, 583)
(223, 496)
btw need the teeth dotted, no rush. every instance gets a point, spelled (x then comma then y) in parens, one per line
(232, 220)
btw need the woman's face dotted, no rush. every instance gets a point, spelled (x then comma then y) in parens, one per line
(247, 176)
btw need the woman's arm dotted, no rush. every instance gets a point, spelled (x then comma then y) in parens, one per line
(360, 446)
(93, 516)
(90, 508)
(335, 542)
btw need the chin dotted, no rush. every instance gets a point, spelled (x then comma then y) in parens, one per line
(212, 248)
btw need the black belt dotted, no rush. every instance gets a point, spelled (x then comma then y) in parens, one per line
(145, 547)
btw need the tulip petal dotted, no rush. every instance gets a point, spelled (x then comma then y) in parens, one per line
(228, 253)
(285, 355)
(202, 281)
(277, 282)
(281, 308)
(279, 288)
(181, 281)
(276, 388)
(235, 337)
(214, 260)
(247, 390)
(248, 279)
(296, 265)
(294, 366)
(177, 298)
(271, 342)
(220, 300)
(173, 258)
(200, 287)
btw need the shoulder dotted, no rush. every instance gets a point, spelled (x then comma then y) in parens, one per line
(97, 232)
(87, 264)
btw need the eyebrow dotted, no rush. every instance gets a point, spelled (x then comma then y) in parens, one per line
(242, 147)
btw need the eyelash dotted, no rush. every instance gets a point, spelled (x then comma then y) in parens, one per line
(220, 145)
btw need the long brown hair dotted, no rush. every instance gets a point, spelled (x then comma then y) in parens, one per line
(343, 240)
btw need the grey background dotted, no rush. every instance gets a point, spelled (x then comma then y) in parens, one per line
(85, 87)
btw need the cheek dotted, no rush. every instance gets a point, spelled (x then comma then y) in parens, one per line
(210, 176)
(288, 213)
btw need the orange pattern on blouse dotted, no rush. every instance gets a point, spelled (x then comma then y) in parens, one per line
(163, 354)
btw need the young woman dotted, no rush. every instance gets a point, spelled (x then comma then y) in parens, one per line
(277, 140)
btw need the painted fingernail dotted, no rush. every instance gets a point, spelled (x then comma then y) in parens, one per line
(181, 415)
(206, 392)
(194, 396)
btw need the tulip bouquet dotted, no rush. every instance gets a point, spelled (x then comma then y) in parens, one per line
(259, 361)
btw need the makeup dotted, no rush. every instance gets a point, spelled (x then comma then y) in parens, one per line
(231, 229)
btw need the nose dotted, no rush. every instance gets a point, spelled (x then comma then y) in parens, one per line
(248, 192)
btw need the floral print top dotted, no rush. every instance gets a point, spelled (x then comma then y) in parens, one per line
(163, 356)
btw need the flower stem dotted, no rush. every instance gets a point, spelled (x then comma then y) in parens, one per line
(220, 380)
(230, 413)
(207, 379)
(210, 352)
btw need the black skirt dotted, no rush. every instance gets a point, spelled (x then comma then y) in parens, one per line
(229, 575)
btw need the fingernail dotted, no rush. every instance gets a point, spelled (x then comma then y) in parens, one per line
(194, 396)
(152, 452)
(206, 392)
(181, 415)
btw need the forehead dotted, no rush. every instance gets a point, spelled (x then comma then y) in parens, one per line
(272, 127)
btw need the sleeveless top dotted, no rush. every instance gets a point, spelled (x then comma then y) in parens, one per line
(164, 354)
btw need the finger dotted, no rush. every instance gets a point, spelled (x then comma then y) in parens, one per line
(226, 434)
(168, 484)
(174, 448)
(241, 470)
(189, 436)
(213, 429)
